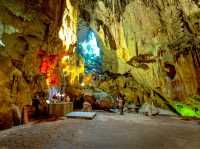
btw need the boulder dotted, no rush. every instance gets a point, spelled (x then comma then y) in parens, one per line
(104, 100)
(87, 107)
(105, 103)
(149, 109)
(10, 117)
(131, 108)
(6, 120)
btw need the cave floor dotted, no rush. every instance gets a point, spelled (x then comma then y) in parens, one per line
(105, 131)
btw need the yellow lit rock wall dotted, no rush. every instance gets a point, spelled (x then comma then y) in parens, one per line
(68, 34)
(145, 37)
(25, 27)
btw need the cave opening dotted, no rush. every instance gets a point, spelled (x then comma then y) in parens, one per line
(90, 49)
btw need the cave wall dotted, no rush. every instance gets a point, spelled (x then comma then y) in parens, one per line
(25, 27)
(157, 41)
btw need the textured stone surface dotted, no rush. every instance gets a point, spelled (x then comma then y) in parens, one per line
(25, 27)
(157, 41)
(105, 131)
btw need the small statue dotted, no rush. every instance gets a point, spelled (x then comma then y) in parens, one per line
(68, 99)
(121, 103)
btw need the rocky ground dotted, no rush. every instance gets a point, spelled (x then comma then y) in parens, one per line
(106, 131)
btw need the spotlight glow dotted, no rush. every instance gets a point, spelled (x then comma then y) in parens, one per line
(82, 84)
(47, 101)
(88, 48)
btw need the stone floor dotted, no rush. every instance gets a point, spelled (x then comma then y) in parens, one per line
(106, 131)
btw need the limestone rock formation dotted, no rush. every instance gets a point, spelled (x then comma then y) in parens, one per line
(151, 48)
(26, 27)
(158, 41)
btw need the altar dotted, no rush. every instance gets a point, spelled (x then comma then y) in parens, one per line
(60, 109)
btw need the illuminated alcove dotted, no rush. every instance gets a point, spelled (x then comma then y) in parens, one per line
(89, 48)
